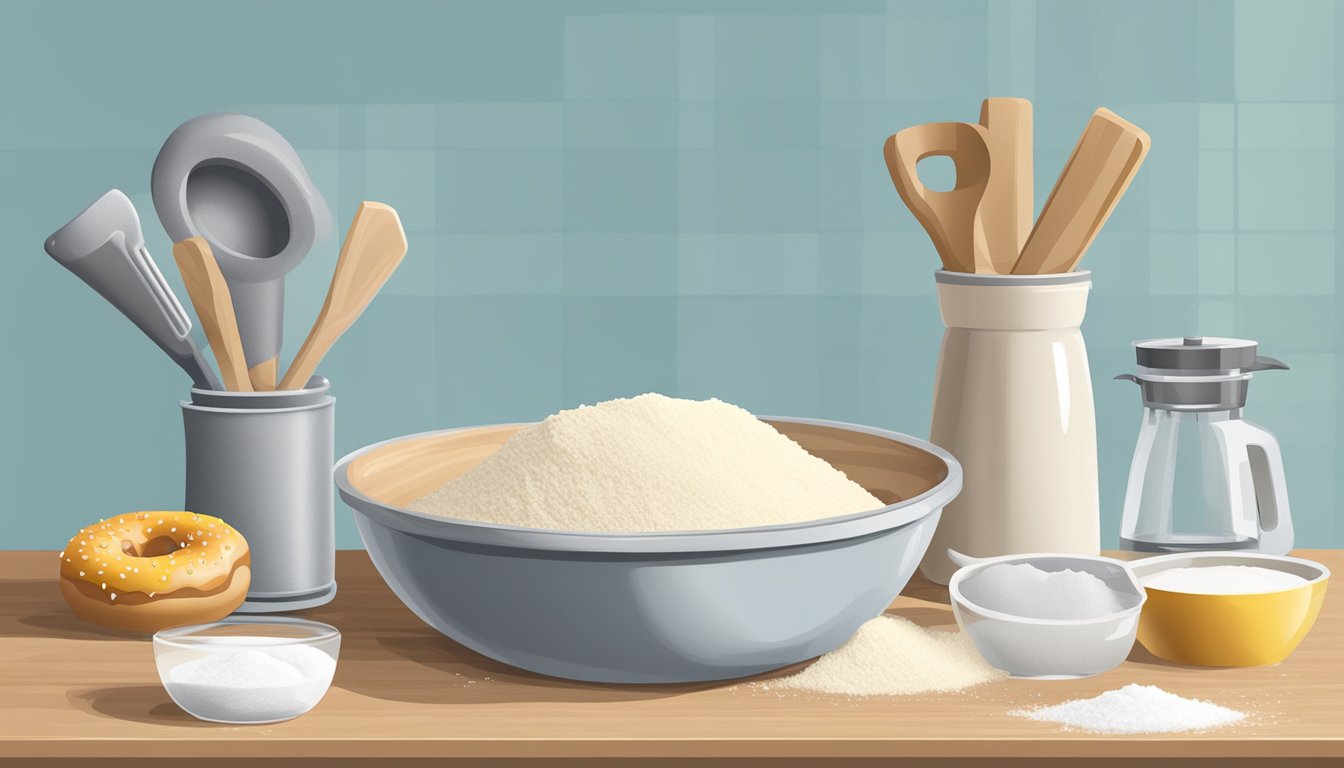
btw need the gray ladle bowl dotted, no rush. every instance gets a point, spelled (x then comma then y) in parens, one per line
(658, 607)
(236, 182)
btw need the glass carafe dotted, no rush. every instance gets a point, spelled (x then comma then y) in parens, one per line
(1203, 477)
(1192, 485)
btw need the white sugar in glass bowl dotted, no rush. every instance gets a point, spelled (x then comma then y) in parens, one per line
(248, 670)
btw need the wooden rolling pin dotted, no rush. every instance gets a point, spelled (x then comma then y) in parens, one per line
(1101, 167)
(210, 296)
(374, 246)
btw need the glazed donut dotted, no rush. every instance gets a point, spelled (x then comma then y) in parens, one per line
(147, 571)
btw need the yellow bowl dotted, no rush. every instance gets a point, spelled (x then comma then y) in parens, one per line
(1245, 630)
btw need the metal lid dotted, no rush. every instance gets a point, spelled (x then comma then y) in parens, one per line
(1178, 393)
(1196, 353)
(1197, 373)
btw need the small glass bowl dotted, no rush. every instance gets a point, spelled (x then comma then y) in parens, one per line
(246, 670)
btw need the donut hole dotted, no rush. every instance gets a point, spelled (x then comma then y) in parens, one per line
(155, 547)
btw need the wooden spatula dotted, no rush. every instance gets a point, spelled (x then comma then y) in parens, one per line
(949, 217)
(1098, 173)
(1008, 206)
(374, 246)
(214, 307)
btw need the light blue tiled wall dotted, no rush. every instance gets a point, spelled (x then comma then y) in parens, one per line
(604, 198)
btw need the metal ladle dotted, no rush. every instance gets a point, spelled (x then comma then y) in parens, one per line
(236, 182)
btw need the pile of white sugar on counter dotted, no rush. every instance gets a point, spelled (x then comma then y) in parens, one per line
(891, 656)
(1136, 709)
(649, 463)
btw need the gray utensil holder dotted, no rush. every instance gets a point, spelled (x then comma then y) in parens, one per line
(262, 462)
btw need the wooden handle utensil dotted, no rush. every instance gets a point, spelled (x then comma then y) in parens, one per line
(263, 375)
(214, 307)
(1101, 167)
(949, 217)
(1008, 207)
(374, 246)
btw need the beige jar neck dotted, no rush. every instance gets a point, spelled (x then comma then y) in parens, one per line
(1010, 304)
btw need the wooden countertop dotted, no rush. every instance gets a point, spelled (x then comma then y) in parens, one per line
(69, 690)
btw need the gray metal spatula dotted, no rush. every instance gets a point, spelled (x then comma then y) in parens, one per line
(105, 248)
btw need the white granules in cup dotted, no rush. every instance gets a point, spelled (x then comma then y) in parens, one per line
(892, 656)
(1136, 709)
(1022, 589)
(1224, 580)
(649, 463)
(251, 683)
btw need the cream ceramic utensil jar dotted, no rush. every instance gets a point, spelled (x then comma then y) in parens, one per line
(1013, 403)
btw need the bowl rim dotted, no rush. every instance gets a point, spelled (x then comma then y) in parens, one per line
(967, 571)
(1149, 566)
(322, 631)
(829, 529)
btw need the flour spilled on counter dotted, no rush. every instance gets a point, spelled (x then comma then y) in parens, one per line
(649, 463)
(1136, 709)
(892, 656)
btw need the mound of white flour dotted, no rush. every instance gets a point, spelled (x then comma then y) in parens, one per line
(892, 656)
(649, 463)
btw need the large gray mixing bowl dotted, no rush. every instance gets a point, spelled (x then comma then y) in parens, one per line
(655, 607)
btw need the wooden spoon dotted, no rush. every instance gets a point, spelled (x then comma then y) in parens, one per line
(951, 218)
(374, 246)
(210, 296)
(1099, 171)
